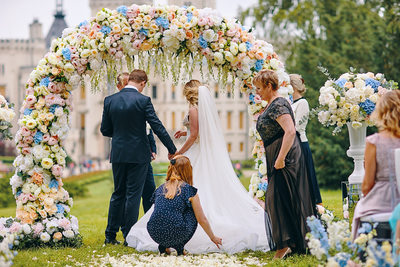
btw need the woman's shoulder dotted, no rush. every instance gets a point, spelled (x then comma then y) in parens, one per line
(191, 189)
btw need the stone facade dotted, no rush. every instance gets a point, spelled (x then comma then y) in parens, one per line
(19, 57)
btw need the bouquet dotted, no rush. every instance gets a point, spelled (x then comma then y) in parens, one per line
(7, 114)
(351, 98)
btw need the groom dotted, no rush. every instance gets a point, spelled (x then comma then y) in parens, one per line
(124, 119)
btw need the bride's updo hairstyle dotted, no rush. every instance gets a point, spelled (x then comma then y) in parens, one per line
(191, 92)
(266, 77)
(179, 171)
(387, 112)
(297, 82)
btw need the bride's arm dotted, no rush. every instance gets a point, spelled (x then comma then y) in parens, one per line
(194, 130)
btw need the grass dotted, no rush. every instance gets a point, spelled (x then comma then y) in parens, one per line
(92, 214)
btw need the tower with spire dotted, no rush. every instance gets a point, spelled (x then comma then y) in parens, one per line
(58, 25)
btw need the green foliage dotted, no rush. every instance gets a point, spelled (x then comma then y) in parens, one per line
(336, 35)
(6, 196)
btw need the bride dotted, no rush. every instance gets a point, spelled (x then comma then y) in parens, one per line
(232, 213)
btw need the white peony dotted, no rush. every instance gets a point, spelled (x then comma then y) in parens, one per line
(274, 63)
(262, 169)
(243, 47)
(229, 56)
(323, 116)
(69, 67)
(260, 193)
(45, 237)
(26, 229)
(210, 36)
(219, 58)
(69, 234)
(234, 48)
(359, 83)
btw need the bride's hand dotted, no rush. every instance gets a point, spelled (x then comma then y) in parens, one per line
(217, 241)
(179, 134)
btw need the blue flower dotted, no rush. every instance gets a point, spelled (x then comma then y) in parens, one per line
(19, 192)
(144, 31)
(60, 208)
(291, 98)
(66, 53)
(373, 83)
(38, 137)
(189, 17)
(259, 65)
(251, 98)
(341, 82)
(53, 108)
(365, 228)
(202, 42)
(249, 46)
(53, 183)
(368, 106)
(318, 232)
(10, 246)
(185, 7)
(342, 258)
(45, 81)
(105, 29)
(162, 22)
(262, 186)
(83, 23)
(122, 10)
(27, 111)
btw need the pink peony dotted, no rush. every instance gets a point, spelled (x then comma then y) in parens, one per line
(64, 223)
(37, 228)
(57, 170)
(231, 32)
(30, 99)
(25, 131)
(257, 99)
(54, 88)
(26, 150)
(46, 137)
(52, 141)
(15, 227)
(28, 139)
(30, 91)
(202, 22)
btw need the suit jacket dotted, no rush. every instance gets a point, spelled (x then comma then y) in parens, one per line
(124, 119)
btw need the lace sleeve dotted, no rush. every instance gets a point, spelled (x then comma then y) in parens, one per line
(279, 107)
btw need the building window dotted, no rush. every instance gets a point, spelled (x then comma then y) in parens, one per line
(187, 4)
(173, 91)
(229, 147)
(241, 118)
(229, 120)
(216, 89)
(154, 92)
(2, 69)
(83, 92)
(241, 146)
(229, 90)
(173, 120)
(3, 90)
(83, 121)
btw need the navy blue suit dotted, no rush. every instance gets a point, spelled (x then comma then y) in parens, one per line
(149, 185)
(124, 120)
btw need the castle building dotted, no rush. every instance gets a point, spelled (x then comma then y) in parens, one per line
(19, 57)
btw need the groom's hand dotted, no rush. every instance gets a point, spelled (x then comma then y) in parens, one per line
(179, 134)
(170, 156)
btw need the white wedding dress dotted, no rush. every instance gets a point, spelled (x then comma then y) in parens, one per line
(233, 214)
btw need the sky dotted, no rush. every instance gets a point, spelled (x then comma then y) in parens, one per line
(18, 14)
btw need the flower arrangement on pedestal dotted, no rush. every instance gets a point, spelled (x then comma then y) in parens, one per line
(351, 98)
(7, 114)
(172, 40)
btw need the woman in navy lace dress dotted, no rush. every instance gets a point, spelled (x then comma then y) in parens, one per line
(177, 210)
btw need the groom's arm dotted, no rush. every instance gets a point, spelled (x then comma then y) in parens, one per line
(106, 124)
(152, 142)
(158, 127)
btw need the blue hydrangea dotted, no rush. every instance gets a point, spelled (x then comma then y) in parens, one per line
(365, 228)
(202, 42)
(27, 111)
(373, 83)
(259, 65)
(38, 137)
(189, 17)
(60, 208)
(10, 246)
(53, 108)
(249, 46)
(83, 23)
(368, 106)
(318, 232)
(105, 29)
(66, 52)
(342, 258)
(262, 186)
(122, 10)
(291, 98)
(185, 7)
(53, 183)
(341, 82)
(251, 98)
(19, 192)
(162, 22)
(144, 31)
(45, 81)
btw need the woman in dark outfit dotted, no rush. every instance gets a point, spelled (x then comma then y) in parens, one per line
(289, 199)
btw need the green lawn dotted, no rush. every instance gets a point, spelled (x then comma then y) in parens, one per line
(92, 214)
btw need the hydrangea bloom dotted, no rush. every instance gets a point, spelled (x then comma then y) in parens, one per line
(368, 106)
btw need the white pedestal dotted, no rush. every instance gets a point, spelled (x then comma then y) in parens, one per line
(356, 151)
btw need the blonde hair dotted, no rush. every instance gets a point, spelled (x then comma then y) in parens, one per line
(179, 171)
(387, 112)
(191, 92)
(122, 79)
(266, 77)
(297, 83)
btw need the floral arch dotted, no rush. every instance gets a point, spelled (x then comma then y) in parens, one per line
(174, 39)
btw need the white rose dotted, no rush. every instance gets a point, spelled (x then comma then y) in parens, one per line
(253, 187)
(52, 58)
(274, 63)
(374, 98)
(260, 193)
(332, 104)
(100, 16)
(27, 229)
(356, 124)
(229, 56)
(209, 35)
(234, 48)
(323, 116)
(262, 169)
(69, 67)
(45, 237)
(219, 58)
(69, 234)
(243, 47)
(359, 83)
(59, 112)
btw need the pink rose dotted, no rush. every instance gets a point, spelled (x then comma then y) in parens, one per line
(26, 150)
(30, 99)
(65, 224)
(210, 22)
(37, 228)
(30, 91)
(136, 44)
(46, 137)
(52, 141)
(202, 22)
(381, 90)
(28, 139)
(15, 227)
(54, 88)
(32, 197)
(25, 131)
(257, 99)
(57, 170)
(231, 32)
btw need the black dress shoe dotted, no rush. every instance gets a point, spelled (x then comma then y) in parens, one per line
(111, 241)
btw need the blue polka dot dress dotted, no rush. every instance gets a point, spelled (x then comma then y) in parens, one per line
(173, 221)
